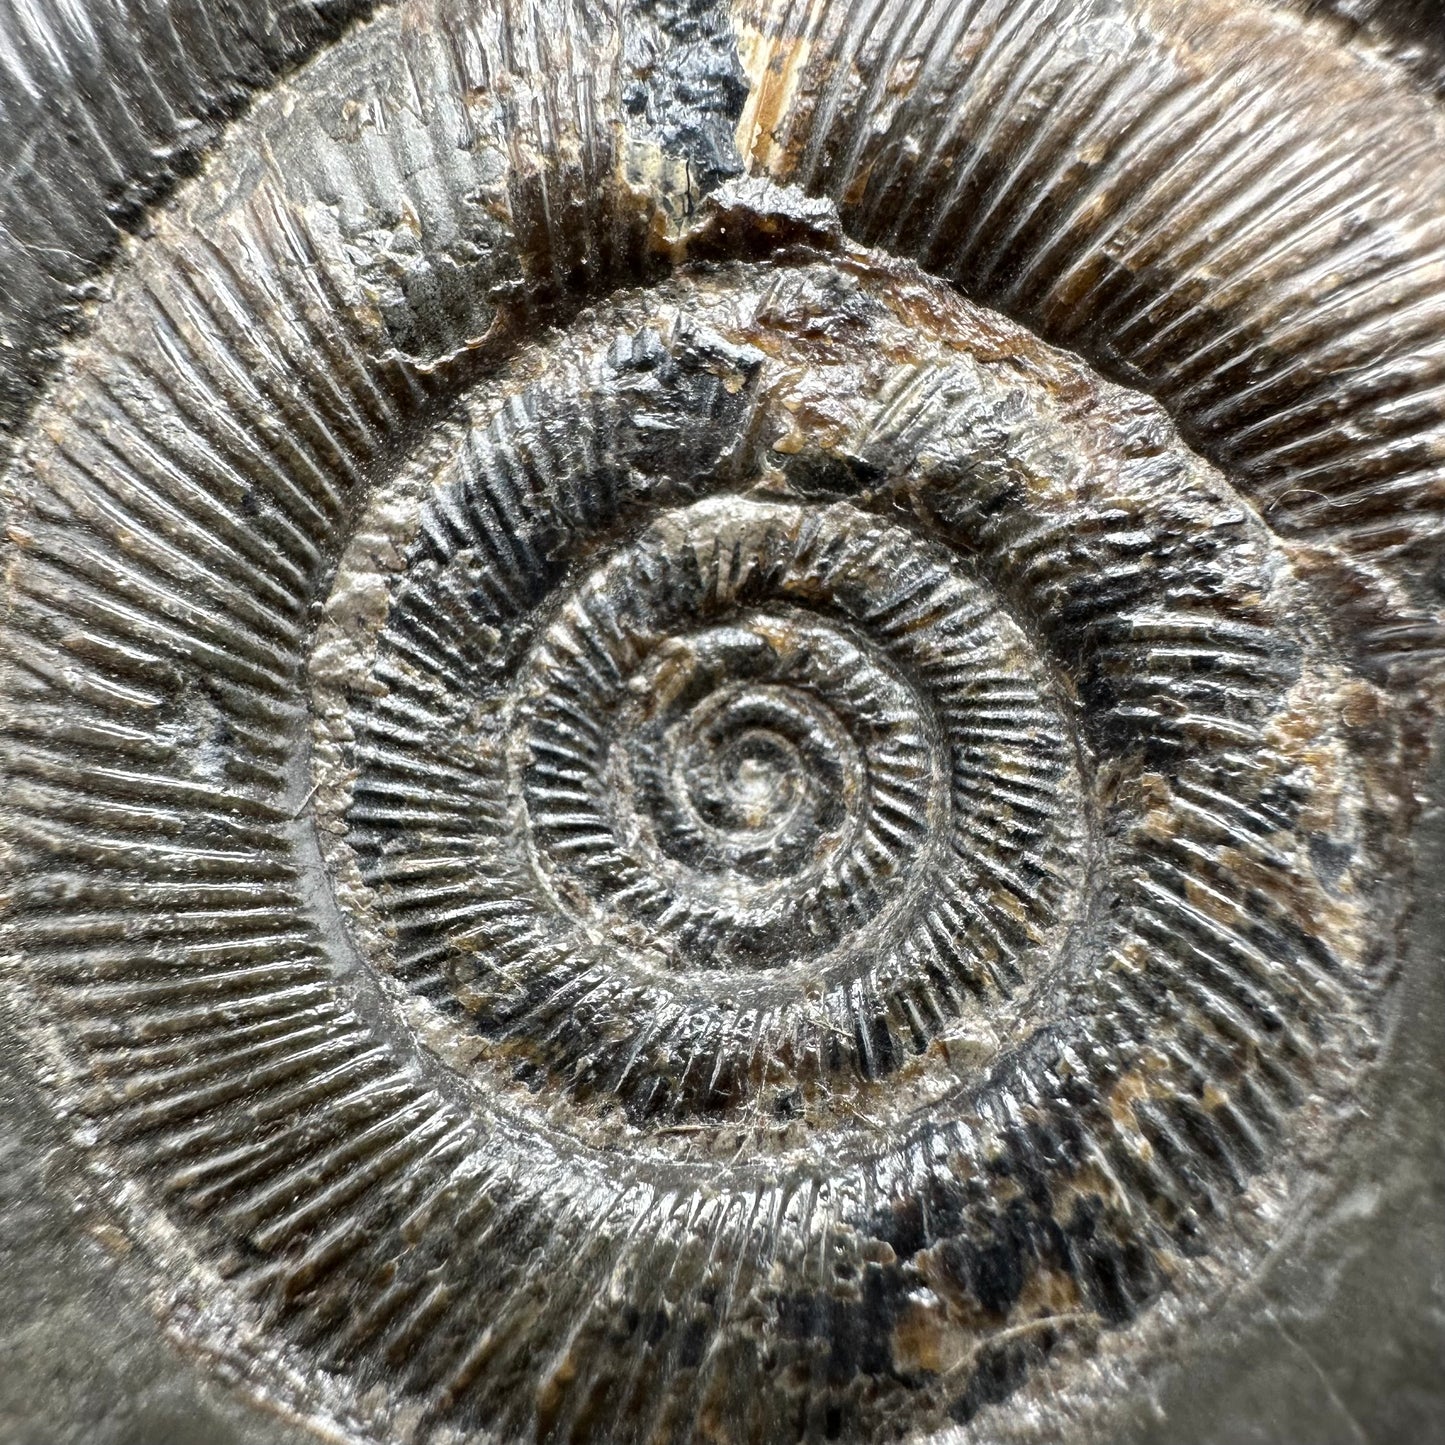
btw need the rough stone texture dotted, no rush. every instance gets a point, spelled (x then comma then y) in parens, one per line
(1408, 31)
(414, 431)
(99, 137)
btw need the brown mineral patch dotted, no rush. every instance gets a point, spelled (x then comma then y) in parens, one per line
(1130, 1090)
(925, 1340)
(1048, 1293)
(775, 68)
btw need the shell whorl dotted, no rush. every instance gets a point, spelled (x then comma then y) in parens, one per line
(636, 811)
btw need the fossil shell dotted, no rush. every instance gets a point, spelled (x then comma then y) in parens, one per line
(710, 710)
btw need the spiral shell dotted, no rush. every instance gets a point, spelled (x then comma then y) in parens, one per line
(637, 810)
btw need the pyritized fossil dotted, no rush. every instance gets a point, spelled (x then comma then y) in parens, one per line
(632, 816)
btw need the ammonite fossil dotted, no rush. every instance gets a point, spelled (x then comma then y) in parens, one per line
(712, 711)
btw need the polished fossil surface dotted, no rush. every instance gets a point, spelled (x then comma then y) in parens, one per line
(717, 720)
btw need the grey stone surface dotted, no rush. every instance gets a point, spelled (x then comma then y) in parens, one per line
(1338, 1335)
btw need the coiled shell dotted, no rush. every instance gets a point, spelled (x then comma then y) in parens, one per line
(710, 711)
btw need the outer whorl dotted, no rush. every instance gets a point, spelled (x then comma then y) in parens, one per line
(710, 711)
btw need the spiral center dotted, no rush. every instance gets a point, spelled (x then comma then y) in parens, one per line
(760, 774)
(719, 791)
(741, 775)
(759, 779)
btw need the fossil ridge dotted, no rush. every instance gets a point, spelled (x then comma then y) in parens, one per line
(635, 809)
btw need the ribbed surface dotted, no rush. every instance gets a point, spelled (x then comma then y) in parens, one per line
(1188, 214)
(116, 101)
(776, 798)
(182, 516)
(745, 859)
